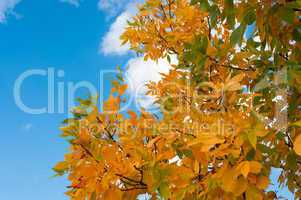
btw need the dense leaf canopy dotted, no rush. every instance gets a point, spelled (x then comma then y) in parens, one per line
(230, 108)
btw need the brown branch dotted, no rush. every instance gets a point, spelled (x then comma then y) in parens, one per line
(169, 12)
(134, 184)
(141, 173)
(163, 10)
(105, 128)
(111, 136)
(290, 141)
(88, 152)
(297, 183)
(284, 56)
(230, 66)
(127, 178)
(169, 8)
(134, 188)
(209, 27)
(164, 40)
(188, 134)
(237, 68)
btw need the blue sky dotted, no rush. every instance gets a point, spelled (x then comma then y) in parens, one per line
(44, 34)
(80, 38)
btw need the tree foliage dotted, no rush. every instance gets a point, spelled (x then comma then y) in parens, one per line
(230, 109)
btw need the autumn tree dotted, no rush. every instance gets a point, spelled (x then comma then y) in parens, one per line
(230, 108)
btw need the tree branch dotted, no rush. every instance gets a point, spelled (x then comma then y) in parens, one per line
(88, 152)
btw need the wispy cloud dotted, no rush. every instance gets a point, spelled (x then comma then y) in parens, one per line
(27, 127)
(112, 7)
(111, 43)
(75, 3)
(7, 8)
(140, 72)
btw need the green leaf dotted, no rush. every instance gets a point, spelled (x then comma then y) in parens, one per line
(229, 13)
(250, 16)
(294, 4)
(287, 14)
(252, 44)
(280, 135)
(85, 102)
(252, 139)
(61, 168)
(297, 35)
(251, 154)
(193, 2)
(202, 62)
(213, 183)
(168, 59)
(164, 190)
(179, 153)
(69, 120)
(292, 161)
(214, 13)
(168, 104)
(181, 194)
(237, 35)
(264, 149)
(203, 44)
(204, 5)
(187, 153)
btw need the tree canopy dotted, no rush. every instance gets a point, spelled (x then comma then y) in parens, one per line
(230, 108)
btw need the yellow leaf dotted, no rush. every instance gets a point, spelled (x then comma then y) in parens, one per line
(112, 104)
(245, 168)
(196, 166)
(229, 180)
(298, 123)
(84, 136)
(228, 177)
(253, 193)
(260, 130)
(234, 83)
(255, 167)
(263, 182)
(92, 116)
(240, 186)
(61, 167)
(297, 145)
(153, 141)
(122, 89)
(207, 140)
(133, 117)
(252, 139)
(113, 194)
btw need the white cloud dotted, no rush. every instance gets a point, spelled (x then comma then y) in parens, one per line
(111, 43)
(140, 72)
(72, 2)
(112, 7)
(6, 8)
